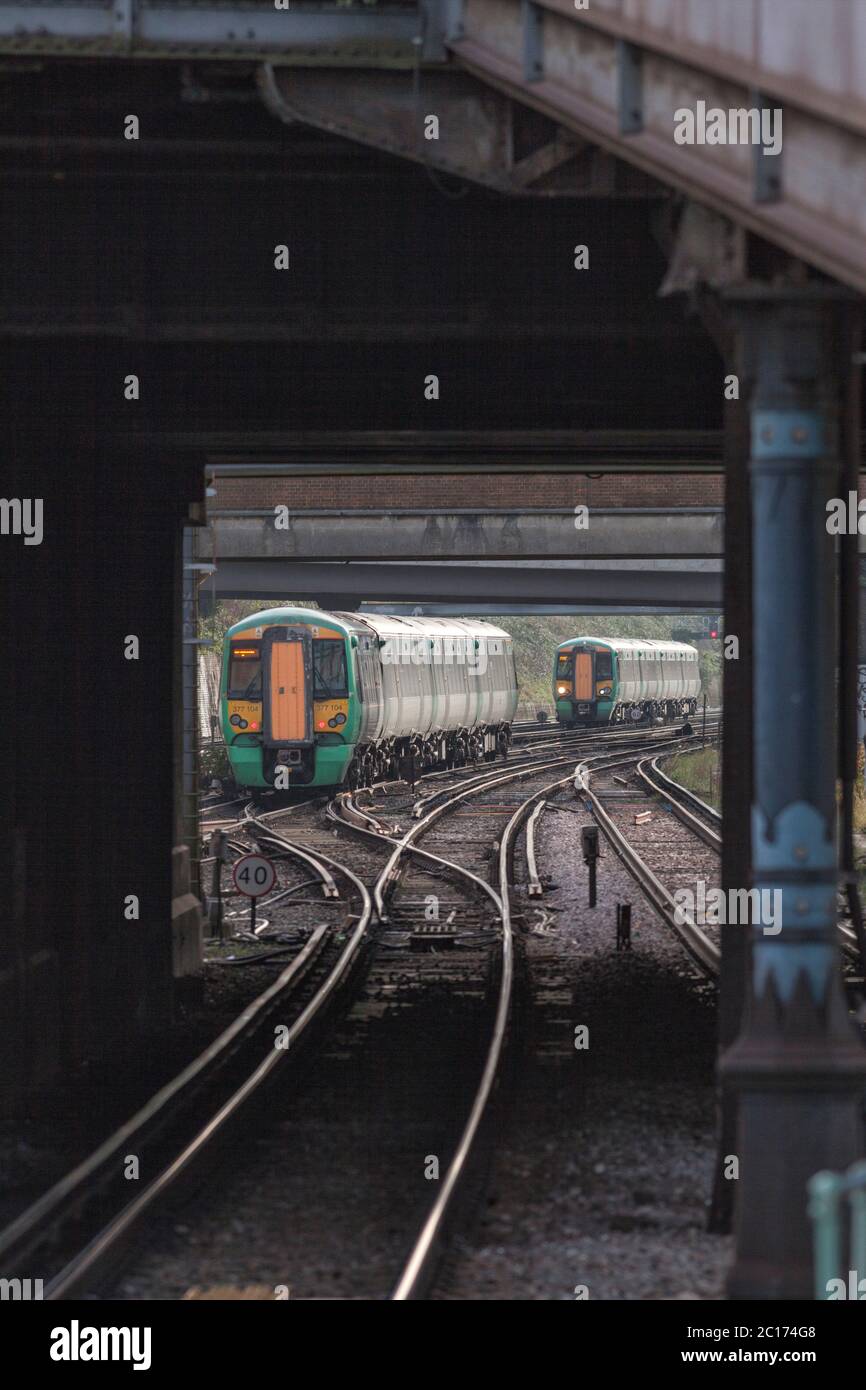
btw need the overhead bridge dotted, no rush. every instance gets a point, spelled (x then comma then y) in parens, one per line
(667, 558)
(552, 96)
(283, 533)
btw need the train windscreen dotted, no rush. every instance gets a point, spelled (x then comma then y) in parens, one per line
(329, 668)
(245, 671)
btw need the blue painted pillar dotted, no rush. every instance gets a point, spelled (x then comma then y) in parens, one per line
(798, 1067)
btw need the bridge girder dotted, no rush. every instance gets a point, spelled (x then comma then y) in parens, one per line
(330, 583)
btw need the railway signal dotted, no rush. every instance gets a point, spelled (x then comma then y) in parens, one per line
(253, 875)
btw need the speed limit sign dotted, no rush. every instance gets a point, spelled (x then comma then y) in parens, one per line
(254, 875)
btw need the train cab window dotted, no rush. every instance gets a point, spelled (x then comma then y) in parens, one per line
(563, 664)
(245, 671)
(603, 666)
(329, 668)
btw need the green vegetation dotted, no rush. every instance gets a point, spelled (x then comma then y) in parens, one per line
(711, 675)
(700, 772)
(226, 613)
(214, 762)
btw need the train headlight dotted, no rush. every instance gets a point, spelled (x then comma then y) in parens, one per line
(562, 690)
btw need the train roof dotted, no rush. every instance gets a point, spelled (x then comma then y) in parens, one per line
(389, 625)
(383, 624)
(626, 645)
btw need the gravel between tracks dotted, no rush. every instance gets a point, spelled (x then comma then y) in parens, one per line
(604, 1166)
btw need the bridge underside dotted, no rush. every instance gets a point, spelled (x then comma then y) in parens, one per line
(345, 585)
(511, 608)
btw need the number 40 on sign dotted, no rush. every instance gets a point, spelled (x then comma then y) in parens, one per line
(253, 875)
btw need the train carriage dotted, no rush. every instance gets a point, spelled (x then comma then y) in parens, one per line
(316, 699)
(598, 680)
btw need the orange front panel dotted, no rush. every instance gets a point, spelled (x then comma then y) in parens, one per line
(583, 675)
(288, 697)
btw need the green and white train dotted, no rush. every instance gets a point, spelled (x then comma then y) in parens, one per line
(600, 680)
(318, 699)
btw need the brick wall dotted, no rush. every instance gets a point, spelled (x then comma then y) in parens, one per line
(510, 490)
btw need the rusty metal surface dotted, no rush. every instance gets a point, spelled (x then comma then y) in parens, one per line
(372, 35)
(480, 134)
(818, 211)
(810, 53)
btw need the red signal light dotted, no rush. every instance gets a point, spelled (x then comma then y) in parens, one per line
(713, 632)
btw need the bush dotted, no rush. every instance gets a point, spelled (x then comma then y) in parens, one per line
(214, 762)
(700, 772)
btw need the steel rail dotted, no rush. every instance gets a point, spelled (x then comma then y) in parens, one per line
(317, 863)
(37, 1222)
(343, 804)
(33, 1227)
(703, 951)
(418, 1269)
(88, 1261)
(677, 796)
(676, 793)
(535, 888)
(572, 741)
(390, 872)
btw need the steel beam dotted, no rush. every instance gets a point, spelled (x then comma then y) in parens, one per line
(861, 653)
(798, 1067)
(461, 584)
(619, 83)
(477, 132)
(341, 453)
(358, 36)
(512, 608)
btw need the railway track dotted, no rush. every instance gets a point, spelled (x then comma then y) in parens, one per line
(415, 1279)
(705, 822)
(703, 950)
(418, 1272)
(67, 1231)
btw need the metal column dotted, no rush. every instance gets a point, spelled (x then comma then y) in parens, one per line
(736, 776)
(861, 669)
(189, 701)
(798, 1067)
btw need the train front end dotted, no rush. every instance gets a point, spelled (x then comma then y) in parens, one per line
(288, 705)
(584, 682)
